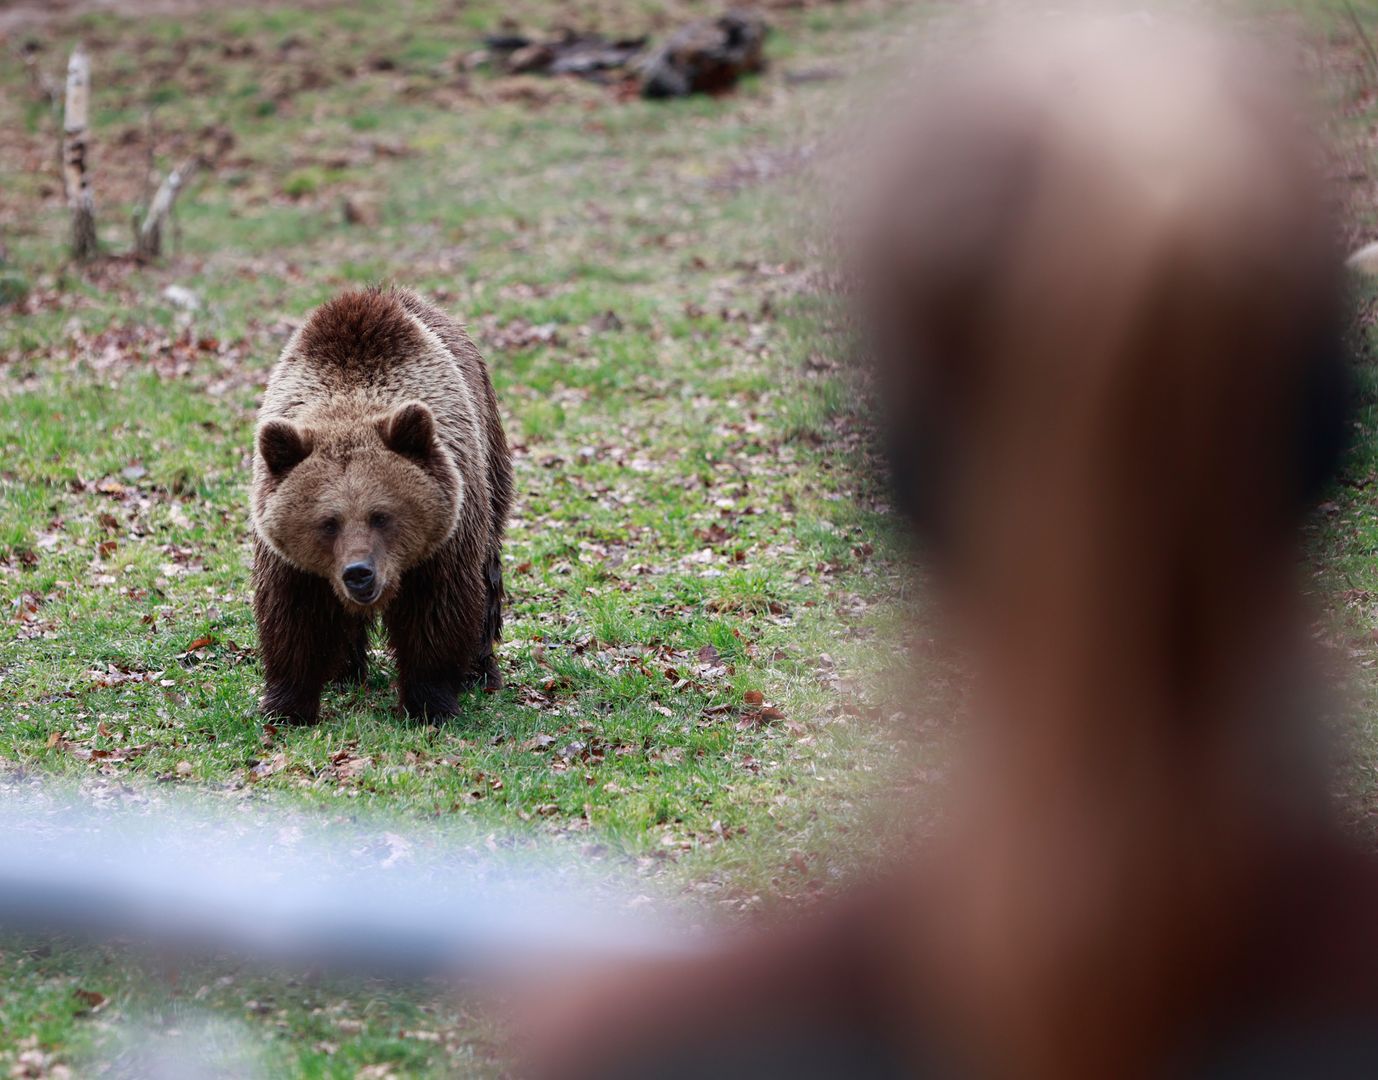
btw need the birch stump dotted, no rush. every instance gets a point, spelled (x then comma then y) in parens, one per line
(75, 166)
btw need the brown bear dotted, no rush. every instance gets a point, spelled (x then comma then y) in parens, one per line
(382, 484)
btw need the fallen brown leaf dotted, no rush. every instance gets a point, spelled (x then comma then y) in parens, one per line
(93, 1000)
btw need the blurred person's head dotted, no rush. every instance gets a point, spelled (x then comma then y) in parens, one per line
(1104, 299)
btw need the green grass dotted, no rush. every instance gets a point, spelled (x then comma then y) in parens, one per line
(692, 496)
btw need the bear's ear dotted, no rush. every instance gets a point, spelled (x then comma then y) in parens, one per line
(283, 445)
(409, 431)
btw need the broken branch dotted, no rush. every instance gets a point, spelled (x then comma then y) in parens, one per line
(148, 242)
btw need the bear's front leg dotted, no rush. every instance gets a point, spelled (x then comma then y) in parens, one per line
(434, 627)
(303, 635)
(429, 695)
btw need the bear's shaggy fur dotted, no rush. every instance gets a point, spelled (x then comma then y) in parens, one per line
(382, 484)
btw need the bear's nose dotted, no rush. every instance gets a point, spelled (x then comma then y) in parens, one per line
(358, 577)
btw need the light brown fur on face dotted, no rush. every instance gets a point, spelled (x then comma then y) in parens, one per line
(382, 483)
(355, 499)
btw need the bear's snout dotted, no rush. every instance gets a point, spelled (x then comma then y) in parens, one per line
(361, 582)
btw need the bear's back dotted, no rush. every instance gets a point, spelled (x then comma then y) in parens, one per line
(365, 352)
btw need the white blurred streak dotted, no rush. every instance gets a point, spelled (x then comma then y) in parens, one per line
(198, 1047)
(275, 884)
(1365, 260)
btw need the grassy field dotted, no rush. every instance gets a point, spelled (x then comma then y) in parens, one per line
(697, 557)
(702, 574)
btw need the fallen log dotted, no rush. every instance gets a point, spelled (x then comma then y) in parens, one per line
(706, 57)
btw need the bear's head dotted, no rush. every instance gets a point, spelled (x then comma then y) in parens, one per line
(357, 504)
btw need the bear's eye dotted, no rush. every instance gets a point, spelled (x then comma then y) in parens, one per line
(378, 519)
(330, 526)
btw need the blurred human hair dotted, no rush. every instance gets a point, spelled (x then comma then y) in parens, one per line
(1104, 297)
(1102, 235)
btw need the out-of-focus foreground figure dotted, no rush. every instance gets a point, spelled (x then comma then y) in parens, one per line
(1106, 305)
(1098, 280)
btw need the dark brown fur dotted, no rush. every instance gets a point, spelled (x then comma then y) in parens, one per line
(379, 446)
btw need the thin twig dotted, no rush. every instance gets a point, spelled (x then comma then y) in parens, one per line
(50, 91)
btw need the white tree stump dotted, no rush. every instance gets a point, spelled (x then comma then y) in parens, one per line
(76, 173)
